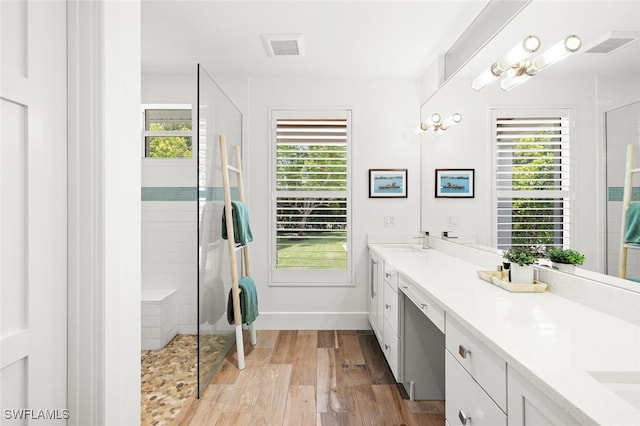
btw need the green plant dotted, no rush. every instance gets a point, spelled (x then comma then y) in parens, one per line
(520, 255)
(568, 256)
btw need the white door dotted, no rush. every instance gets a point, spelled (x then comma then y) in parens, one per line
(33, 215)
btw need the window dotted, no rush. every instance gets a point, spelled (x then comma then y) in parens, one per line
(532, 178)
(311, 206)
(167, 132)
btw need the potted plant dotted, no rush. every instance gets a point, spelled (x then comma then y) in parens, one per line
(521, 259)
(565, 260)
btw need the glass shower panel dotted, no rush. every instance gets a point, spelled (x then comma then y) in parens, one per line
(216, 116)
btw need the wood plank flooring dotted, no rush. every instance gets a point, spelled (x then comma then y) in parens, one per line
(309, 378)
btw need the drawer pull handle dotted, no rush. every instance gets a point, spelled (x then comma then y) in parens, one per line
(387, 347)
(406, 287)
(386, 305)
(424, 305)
(463, 417)
(463, 352)
(388, 274)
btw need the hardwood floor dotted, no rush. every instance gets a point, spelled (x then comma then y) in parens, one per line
(309, 378)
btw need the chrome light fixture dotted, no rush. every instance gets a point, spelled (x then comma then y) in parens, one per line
(436, 125)
(523, 67)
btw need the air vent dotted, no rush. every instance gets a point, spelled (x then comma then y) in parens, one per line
(613, 41)
(283, 44)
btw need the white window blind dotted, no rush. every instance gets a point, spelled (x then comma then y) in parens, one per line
(311, 198)
(532, 166)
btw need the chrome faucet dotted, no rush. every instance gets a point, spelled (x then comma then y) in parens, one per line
(425, 240)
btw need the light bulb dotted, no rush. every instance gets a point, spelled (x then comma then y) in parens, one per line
(555, 53)
(516, 54)
(454, 119)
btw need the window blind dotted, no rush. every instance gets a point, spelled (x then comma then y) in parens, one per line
(532, 179)
(311, 194)
(311, 187)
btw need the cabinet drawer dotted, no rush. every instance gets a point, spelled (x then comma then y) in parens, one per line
(391, 307)
(391, 276)
(484, 365)
(434, 312)
(390, 349)
(467, 403)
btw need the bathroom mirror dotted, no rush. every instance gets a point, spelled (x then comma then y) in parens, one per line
(596, 89)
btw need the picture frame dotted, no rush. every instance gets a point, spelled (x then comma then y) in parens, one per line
(388, 183)
(455, 183)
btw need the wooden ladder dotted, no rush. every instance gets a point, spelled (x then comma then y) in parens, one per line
(235, 291)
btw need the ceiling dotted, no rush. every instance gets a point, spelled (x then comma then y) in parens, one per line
(344, 39)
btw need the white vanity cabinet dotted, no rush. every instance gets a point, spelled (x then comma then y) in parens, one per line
(528, 406)
(476, 380)
(375, 295)
(390, 309)
(466, 402)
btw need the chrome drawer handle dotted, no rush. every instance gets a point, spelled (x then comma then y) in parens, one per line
(387, 306)
(387, 347)
(463, 352)
(424, 305)
(388, 274)
(463, 417)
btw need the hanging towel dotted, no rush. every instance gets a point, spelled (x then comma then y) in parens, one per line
(248, 301)
(632, 233)
(241, 230)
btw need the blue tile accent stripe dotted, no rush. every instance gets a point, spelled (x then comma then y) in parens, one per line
(615, 193)
(184, 193)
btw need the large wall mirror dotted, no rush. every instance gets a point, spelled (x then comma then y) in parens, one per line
(595, 96)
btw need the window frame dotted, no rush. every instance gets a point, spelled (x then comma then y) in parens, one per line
(309, 277)
(150, 133)
(567, 194)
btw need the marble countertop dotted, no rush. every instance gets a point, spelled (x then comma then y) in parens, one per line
(558, 345)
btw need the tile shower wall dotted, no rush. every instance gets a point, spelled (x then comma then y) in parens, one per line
(169, 234)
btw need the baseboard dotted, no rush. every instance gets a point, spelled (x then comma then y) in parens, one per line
(312, 321)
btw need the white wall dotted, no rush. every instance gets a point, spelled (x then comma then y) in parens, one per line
(468, 145)
(382, 111)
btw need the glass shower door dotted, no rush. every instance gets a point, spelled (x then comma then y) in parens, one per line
(216, 115)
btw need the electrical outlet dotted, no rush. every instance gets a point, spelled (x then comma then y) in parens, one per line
(389, 221)
(453, 221)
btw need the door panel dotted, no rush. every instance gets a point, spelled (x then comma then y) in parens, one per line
(33, 232)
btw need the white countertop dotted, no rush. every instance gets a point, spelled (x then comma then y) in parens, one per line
(553, 342)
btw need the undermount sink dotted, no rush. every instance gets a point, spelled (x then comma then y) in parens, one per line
(404, 248)
(625, 384)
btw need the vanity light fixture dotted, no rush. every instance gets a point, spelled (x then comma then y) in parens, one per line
(436, 125)
(514, 56)
(522, 70)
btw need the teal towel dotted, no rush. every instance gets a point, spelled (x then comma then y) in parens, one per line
(241, 229)
(248, 301)
(632, 232)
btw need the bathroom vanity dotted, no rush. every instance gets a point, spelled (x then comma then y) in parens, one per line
(505, 358)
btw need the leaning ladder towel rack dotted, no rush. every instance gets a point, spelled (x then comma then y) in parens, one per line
(235, 290)
(626, 201)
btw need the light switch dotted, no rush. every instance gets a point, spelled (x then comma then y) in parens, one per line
(389, 221)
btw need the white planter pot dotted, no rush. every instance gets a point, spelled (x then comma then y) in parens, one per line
(521, 274)
(565, 267)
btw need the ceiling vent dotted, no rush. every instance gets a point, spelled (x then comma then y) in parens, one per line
(283, 44)
(613, 42)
